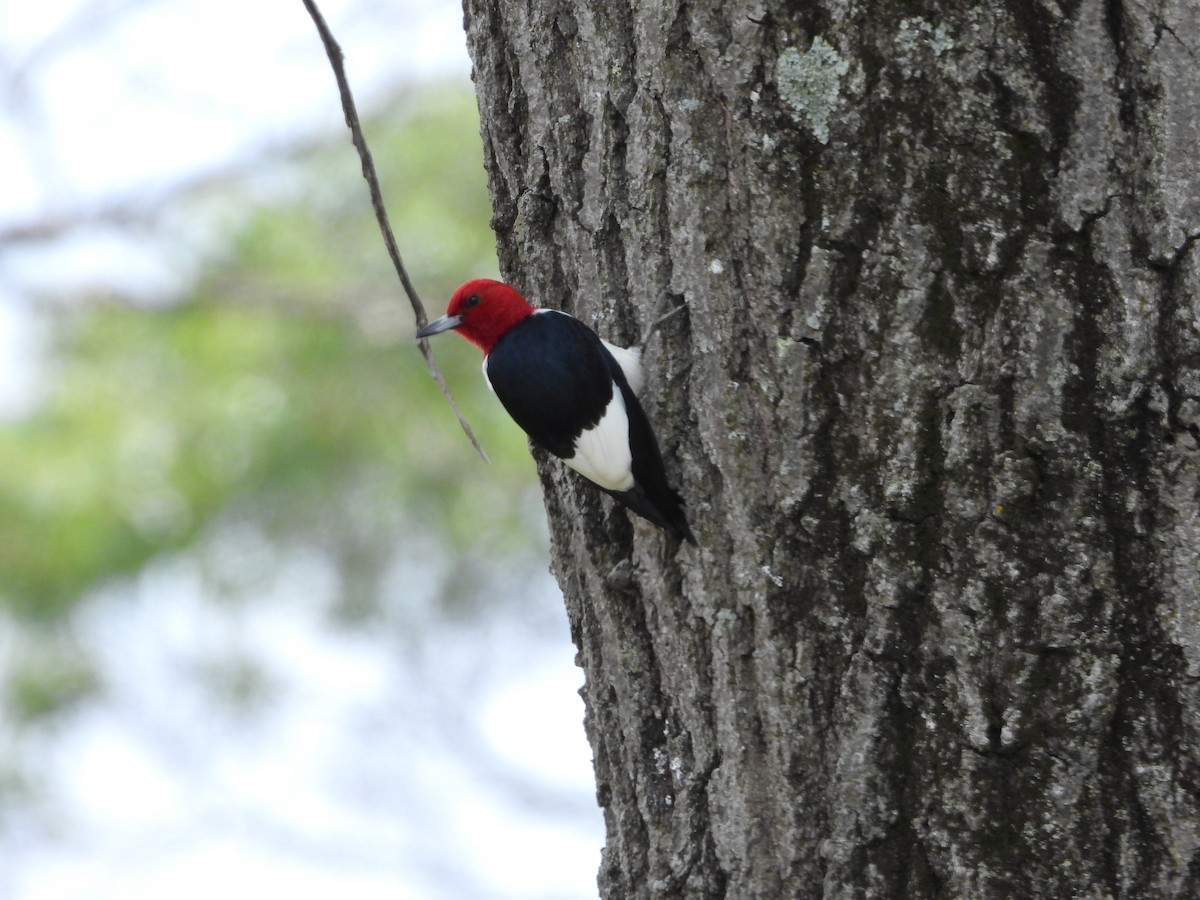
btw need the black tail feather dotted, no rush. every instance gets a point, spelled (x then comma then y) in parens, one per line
(666, 513)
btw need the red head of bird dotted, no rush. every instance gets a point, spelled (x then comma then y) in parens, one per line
(481, 310)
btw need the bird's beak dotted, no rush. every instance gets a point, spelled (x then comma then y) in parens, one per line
(437, 326)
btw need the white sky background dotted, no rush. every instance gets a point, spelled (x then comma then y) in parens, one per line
(150, 793)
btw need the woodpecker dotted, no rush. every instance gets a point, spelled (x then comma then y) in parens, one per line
(574, 394)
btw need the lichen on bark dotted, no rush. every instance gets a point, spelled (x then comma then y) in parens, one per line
(810, 82)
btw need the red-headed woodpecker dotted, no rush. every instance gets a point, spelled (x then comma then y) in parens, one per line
(573, 394)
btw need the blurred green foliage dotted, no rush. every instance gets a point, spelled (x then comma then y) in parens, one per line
(283, 389)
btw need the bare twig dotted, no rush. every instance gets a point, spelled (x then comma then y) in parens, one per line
(334, 52)
(658, 323)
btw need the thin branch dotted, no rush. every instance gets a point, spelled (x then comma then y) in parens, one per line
(658, 323)
(334, 52)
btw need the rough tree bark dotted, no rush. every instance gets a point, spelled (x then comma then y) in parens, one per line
(934, 404)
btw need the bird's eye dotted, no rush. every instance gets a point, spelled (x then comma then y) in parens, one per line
(473, 300)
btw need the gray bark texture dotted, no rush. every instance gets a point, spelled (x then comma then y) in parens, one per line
(934, 403)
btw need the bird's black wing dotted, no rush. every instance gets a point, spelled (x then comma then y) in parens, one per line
(551, 373)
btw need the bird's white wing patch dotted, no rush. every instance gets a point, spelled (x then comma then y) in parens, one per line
(602, 453)
(630, 361)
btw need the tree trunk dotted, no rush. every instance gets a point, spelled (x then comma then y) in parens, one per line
(934, 404)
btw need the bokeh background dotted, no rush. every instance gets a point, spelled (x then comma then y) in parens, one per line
(268, 627)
